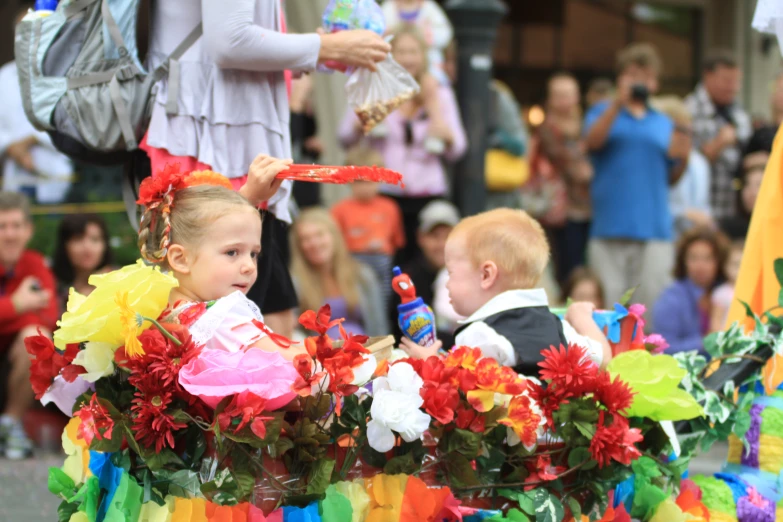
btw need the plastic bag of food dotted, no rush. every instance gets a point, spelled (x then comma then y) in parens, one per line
(375, 95)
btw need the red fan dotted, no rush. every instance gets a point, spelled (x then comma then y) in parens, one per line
(341, 175)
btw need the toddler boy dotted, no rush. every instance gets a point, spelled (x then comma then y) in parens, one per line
(495, 261)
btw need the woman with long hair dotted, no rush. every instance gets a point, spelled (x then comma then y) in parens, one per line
(325, 273)
(82, 250)
(683, 311)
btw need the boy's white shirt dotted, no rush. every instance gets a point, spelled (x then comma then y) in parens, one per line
(479, 334)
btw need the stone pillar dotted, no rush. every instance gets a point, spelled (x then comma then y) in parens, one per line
(475, 29)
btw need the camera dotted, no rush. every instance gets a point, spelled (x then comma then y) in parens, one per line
(640, 93)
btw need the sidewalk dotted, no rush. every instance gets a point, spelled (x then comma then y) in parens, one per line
(24, 495)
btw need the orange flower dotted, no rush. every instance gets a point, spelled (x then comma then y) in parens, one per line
(207, 177)
(492, 378)
(464, 357)
(523, 419)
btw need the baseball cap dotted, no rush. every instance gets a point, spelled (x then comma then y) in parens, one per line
(438, 212)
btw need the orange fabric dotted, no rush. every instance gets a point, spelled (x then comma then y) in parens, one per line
(372, 227)
(757, 285)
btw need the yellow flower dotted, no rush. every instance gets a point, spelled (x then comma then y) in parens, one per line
(97, 359)
(131, 324)
(96, 317)
(77, 462)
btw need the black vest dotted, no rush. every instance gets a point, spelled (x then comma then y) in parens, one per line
(529, 330)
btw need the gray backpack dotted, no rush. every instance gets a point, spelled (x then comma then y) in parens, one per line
(82, 81)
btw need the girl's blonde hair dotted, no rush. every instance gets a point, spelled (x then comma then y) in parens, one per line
(345, 268)
(416, 34)
(183, 216)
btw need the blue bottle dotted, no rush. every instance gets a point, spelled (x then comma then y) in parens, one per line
(415, 318)
(45, 5)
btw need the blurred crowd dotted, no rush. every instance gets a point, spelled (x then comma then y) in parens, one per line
(634, 187)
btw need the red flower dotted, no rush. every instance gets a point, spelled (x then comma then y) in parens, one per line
(153, 424)
(189, 316)
(319, 322)
(615, 395)
(541, 470)
(307, 378)
(548, 399)
(469, 419)
(614, 440)
(490, 376)
(523, 420)
(48, 361)
(72, 371)
(153, 188)
(569, 368)
(94, 419)
(168, 362)
(247, 407)
(440, 400)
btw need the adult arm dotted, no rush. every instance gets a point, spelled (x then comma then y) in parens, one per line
(235, 42)
(670, 319)
(459, 141)
(598, 133)
(512, 134)
(350, 131)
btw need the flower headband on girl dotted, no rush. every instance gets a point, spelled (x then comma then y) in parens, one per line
(157, 193)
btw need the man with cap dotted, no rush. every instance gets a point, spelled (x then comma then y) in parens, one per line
(436, 220)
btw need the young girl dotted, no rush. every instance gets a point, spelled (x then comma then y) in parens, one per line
(723, 295)
(208, 236)
(584, 285)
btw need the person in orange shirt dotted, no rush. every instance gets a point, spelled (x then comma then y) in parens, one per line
(371, 223)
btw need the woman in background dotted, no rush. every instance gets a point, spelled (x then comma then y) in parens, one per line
(324, 272)
(82, 250)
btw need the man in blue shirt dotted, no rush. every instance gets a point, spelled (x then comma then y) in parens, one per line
(636, 153)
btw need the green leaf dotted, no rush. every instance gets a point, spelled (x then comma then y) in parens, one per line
(586, 429)
(66, 510)
(576, 509)
(625, 299)
(404, 464)
(514, 515)
(548, 507)
(715, 409)
(185, 484)
(459, 470)
(372, 457)
(60, 484)
(778, 265)
(156, 461)
(577, 456)
(245, 482)
(320, 476)
(464, 442)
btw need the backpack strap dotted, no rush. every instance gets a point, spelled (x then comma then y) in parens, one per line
(171, 67)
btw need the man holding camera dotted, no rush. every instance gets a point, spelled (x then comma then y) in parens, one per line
(27, 305)
(636, 153)
(720, 127)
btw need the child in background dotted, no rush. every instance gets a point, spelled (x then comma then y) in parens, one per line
(371, 224)
(723, 295)
(584, 285)
(428, 17)
(208, 236)
(495, 261)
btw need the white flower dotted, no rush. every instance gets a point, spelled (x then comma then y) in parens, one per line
(98, 359)
(395, 411)
(401, 378)
(364, 373)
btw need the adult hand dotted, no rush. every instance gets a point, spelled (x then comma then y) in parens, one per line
(416, 351)
(20, 152)
(355, 48)
(680, 146)
(727, 135)
(623, 92)
(29, 297)
(262, 182)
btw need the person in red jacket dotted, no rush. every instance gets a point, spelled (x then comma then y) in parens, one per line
(27, 305)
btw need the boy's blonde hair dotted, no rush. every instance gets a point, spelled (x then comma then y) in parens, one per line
(192, 209)
(362, 155)
(512, 239)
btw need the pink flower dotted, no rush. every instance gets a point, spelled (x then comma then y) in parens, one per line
(216, 374)
(657, 341)
(638, 310)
